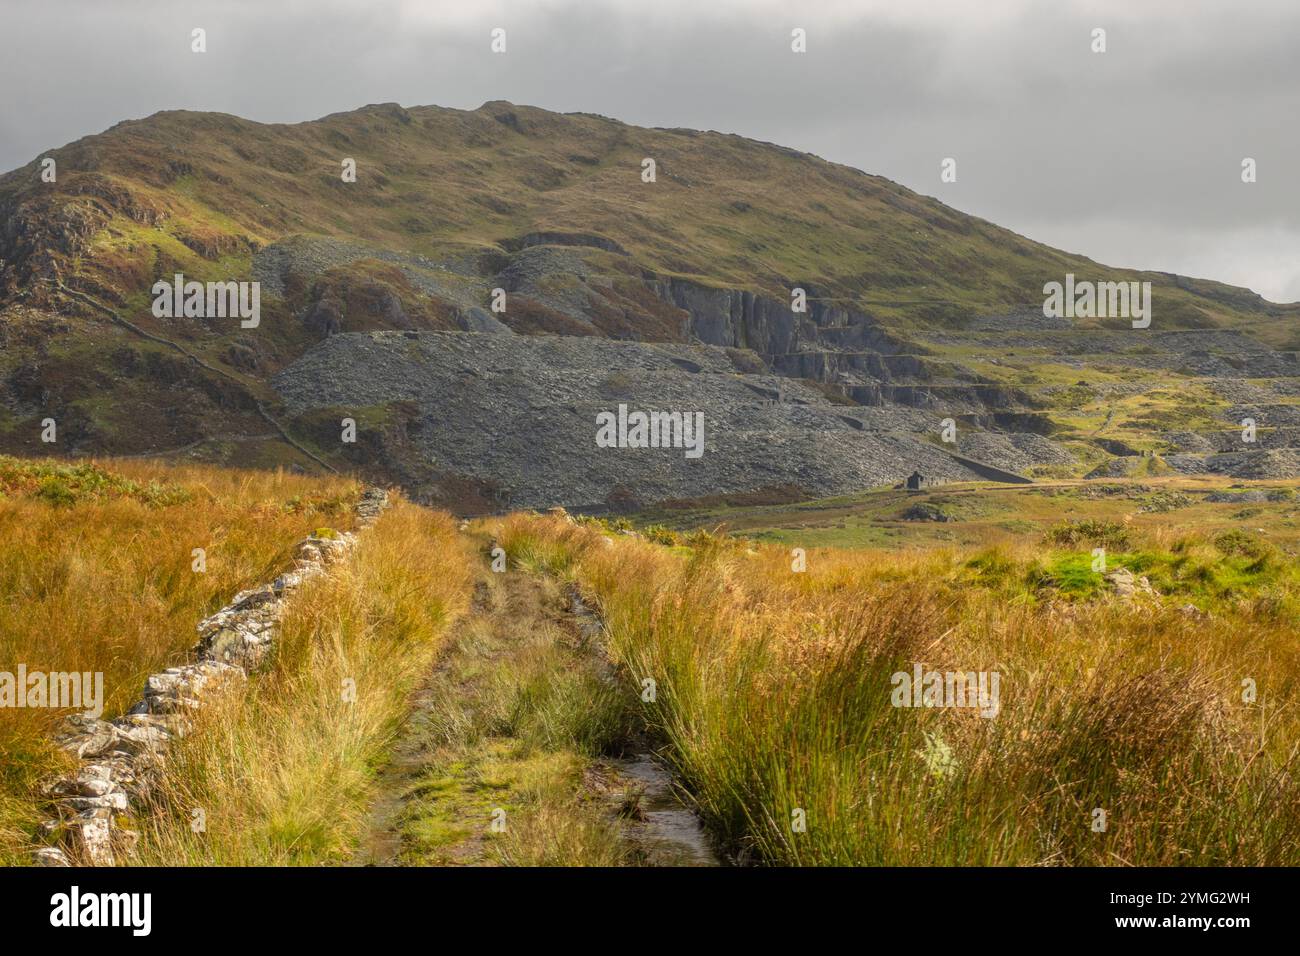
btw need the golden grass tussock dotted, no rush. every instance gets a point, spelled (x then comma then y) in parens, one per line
(1125, 733)
(97, 575)
(284, 774)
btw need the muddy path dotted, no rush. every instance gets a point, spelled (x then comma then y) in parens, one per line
(521, 749)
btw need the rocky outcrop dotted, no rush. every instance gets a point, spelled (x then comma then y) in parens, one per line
(1129, 587)
(552, 238)
(122, 758)
(41, 232)
(954, 400)
(848, 367)
(742, 319)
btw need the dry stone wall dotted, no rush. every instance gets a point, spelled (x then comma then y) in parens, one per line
(121, 759)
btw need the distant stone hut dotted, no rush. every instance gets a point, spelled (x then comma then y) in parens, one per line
(915, 481)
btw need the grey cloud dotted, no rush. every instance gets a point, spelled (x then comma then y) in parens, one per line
(1131, 157)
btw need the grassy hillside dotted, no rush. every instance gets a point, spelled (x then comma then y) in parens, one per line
(198, 192)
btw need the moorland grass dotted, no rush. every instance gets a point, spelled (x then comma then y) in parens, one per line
(97, 574)
(285, 774)
(774, 705)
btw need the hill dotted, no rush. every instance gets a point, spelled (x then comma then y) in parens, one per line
(916, 313)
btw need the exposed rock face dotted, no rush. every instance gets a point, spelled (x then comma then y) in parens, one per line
(555, 289)
(796, 343)
(324, 318)
(122, 758)
(522, 411)
(38, 231)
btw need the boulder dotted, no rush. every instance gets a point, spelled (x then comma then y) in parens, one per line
(1127, 586)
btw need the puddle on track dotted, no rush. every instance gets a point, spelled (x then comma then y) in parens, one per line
(666, 828)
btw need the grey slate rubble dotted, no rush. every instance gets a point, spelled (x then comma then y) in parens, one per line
(520, 412)
(122, 758)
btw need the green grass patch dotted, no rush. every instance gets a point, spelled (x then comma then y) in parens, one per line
(69, 483)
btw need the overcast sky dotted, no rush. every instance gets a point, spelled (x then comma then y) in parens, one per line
(1132, 157)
